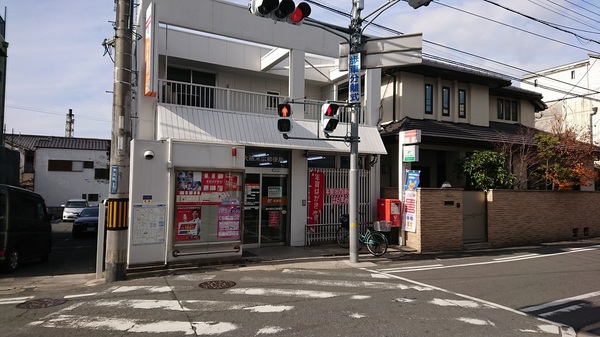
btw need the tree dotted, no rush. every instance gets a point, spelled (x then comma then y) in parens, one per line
(521, 156)
(567, 156)
(487, 170)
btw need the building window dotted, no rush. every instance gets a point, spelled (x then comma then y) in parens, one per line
(500, 108)
(272, 99)
(77, 166)
(572, 74)
(190, 87)
(88, 164)
(462, 103)
(508, 109)
(445, 101)
(60, 165)
(101, 173)
(92, 197)
(515, 111)
(429, 99)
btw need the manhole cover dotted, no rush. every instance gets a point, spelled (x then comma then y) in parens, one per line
(217, 284)
(41, 303)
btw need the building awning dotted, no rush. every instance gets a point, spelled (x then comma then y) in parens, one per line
(238, 128)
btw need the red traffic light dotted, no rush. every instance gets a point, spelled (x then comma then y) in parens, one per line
(301, 12)
(331, 109)
(284, 110)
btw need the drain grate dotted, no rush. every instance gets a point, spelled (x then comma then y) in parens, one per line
(41, 303)
(217, 284)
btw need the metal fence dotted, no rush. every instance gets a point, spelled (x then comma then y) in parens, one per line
(335, 204)
(211, 97)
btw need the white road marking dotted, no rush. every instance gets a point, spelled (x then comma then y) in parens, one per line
(499, 260)
(565, 330)
(270, 308)
(454, 303)
(567, 309)
(269, 330)
(284, 292)
(357, 315)
(152, 289)
(190, 305)
(336, 283)
(15, 300)
(476, 321)
(80, 295)
(360, 297)
(136, 325)
(561, 302)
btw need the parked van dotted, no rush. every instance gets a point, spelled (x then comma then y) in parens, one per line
(25, 228)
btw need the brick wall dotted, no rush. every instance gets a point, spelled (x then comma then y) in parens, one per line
(520, 217)
(515, 217)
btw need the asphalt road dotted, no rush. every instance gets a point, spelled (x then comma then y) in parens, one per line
(556, 283)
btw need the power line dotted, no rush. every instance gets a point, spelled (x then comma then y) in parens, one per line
(543, 22)
(48, 112)
(467, 66)
(561, 12)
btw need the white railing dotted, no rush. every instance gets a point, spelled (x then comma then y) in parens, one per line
(210, 97)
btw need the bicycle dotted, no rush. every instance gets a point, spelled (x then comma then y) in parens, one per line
(375, 241)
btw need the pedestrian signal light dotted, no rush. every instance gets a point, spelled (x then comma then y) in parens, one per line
(329, 115)
(284, 110)
(284, 124)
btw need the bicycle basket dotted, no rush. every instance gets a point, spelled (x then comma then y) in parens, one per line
(382, 226)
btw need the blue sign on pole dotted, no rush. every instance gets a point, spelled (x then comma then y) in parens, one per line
(114, 179)
(354, 78)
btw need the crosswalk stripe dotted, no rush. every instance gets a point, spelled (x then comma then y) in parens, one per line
(284, 292)
(336, 283)
(190, 305)
(136, 325)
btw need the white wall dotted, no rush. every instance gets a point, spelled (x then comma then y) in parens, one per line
(58, 187)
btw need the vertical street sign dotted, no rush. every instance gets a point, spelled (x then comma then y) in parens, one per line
(354, 77)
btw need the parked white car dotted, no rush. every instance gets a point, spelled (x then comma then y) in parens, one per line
(72, 209)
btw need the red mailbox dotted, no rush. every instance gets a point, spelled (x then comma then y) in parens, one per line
(390, 210)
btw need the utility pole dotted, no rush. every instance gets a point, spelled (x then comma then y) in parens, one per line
(355, 42)
(118, 200)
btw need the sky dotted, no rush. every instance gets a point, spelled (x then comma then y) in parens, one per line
(56, 60)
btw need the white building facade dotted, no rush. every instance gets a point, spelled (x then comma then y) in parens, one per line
(571, 91)
(210, 173)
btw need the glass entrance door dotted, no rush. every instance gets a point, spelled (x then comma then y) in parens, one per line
(265, 209)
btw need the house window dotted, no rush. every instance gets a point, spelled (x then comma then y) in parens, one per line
(572, 74)
(92, 197)
(462, 103)
(429, 99)
(508, 109)
(77, 166)
(445, 101)
(60, 165)
(515, 111)
(272, 99)
(101, 173)
(88, 164)
(500, 108)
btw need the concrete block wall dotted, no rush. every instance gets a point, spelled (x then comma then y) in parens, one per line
(520, 217)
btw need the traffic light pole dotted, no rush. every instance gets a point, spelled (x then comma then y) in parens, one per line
(355, 42)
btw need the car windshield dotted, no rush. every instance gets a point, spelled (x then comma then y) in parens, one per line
(89, 212)
(76, 204)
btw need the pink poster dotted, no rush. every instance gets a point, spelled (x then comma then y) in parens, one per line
(315, 196)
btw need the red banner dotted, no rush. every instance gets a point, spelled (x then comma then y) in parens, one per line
(315, 196)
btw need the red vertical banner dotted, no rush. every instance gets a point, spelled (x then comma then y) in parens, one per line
(315, 196)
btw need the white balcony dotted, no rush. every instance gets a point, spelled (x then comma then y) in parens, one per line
(210, 97)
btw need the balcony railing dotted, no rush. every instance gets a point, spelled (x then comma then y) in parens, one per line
(210, 97)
